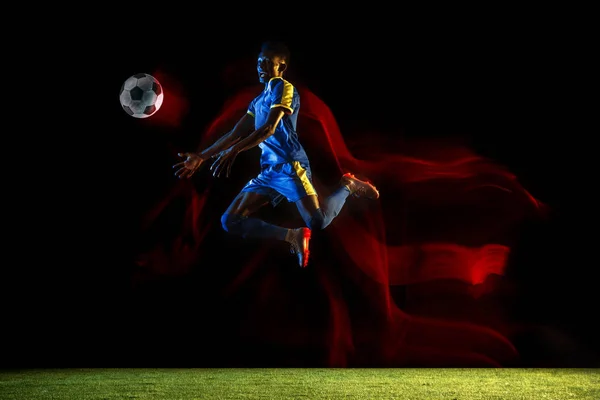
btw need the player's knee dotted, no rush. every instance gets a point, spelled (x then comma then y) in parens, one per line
(230, 222)
(317, 222)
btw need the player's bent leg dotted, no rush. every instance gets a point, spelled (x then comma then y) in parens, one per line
(236, 219)
(246, 203)
(311, 213)
(318, 216)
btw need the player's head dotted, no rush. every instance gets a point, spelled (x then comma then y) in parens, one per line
(273, 60)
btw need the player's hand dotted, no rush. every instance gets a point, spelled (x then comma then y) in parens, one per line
(223, 163)
(189, 166)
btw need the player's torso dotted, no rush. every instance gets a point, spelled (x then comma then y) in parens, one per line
(283, 145)
(263, 103)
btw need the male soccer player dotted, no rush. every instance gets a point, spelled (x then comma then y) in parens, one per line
(270, 123)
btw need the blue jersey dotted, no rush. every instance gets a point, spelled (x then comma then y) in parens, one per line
(283, 146)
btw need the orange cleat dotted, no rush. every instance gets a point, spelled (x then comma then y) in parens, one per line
(299, 245)
(359, 188)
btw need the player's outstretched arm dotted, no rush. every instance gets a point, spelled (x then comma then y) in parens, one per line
(226, 158)
(262, 133)
(242, 128)
(192, 161)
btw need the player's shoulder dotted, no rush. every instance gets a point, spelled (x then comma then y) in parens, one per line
(281, 82)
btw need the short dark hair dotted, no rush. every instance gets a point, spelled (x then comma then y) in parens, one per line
(277, 47)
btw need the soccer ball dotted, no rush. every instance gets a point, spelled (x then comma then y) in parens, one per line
(141, 95)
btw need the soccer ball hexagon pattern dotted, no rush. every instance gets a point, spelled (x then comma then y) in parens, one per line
(141, 95)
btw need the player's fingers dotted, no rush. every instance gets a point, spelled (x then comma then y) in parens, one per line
(218, 170)
(215, 164)
(182, 172)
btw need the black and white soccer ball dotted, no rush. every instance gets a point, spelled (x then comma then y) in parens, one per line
(141, 95)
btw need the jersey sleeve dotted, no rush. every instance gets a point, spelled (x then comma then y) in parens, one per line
(251, 108)
(282, 95)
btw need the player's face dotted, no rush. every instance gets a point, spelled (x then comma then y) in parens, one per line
(269, 66)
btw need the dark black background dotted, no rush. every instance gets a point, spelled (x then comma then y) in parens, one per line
(500, 86)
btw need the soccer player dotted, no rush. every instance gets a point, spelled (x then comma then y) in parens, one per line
(270, 123)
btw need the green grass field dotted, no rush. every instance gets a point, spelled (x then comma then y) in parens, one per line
(176, 384)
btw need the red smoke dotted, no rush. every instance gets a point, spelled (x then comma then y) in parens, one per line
(445, 214)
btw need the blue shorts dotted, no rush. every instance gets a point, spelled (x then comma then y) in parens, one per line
(292, 181)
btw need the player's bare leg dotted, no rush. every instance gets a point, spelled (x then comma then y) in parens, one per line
(247, 203)
(317, 215)
(237, 220)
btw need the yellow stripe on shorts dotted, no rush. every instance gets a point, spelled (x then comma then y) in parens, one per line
(301, 172)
